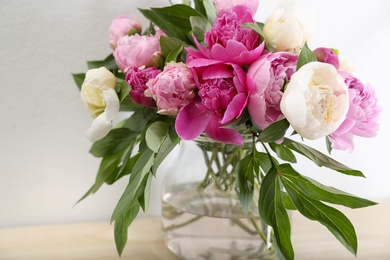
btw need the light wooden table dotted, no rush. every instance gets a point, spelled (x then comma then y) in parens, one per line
(96, 240)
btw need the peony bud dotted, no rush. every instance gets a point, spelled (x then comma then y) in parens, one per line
(137, 79)
(288, 27)
(172, 89)
(327, 55)
(138, 51)
(121, 27)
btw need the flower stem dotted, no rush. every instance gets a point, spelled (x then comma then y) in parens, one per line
(171, 227)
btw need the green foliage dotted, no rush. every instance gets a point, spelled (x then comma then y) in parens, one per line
(121, 226)
(305, 56)
(256, 27)
(274, 132)
(245, 178)
(334, 220)
(319, 158)
(199, 26)
(173, 20)
(283, 152)
(79, 79)
(108, 62)
(273, 212)
(206, 8)
(114, 141)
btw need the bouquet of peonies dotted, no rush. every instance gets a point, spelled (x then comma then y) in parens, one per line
(208, 68)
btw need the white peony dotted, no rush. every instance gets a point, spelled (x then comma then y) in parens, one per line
(316, 100)
(100, 98)
(288, 27)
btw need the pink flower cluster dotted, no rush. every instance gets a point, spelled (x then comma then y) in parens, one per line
(363, 113)
(231, 73)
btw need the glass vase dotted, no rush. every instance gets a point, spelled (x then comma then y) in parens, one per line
(202, 217)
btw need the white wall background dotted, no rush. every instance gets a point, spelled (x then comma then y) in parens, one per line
(44, 162)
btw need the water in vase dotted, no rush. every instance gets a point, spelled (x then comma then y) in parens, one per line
(202, 225)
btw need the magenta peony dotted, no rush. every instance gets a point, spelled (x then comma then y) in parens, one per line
(122, 26)
(362, 117)
(222, 97)
(138, 51)
(228, 41)
(137, 79)
(328, 56)
(266, 78)
(172, 89)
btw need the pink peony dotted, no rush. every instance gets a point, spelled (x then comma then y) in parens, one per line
(121, 27)
(137, 79)
(266, 78)
(138, 51)
(229, 4)
(172, 89)
(222, 97)
(362, 117)
(328, 56)
(229, 42)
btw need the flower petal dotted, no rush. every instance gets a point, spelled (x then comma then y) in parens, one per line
(99, 128)
(191, 121)
(112, 104)
(226, 135)
(235, 108)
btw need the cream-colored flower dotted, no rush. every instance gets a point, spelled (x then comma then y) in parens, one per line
(288, 27)
(100, 98)
(315, 101)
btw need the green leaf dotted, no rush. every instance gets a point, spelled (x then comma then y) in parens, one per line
(283, 152)
(121, 226)
(245, 179)
(171, 140)
(337, 223)
(274, 131)
(144, 192)
(172, 56)
(173, 20)
(138, 121)
(255, 27)
(155, 135)
(127, 166)
(328, 145)
(113, 142)
(168, 44)
(108, 62)
(263, 161)
(210, 10)
(318, 191)
(199, 6)
(124, 90)
(287, 202)
(199, 27)
(107, 170)
(206, 8)
(305, 56)
(319, 158)
(79, 79)
(273, 212)
(127, 104)
(140, 170)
